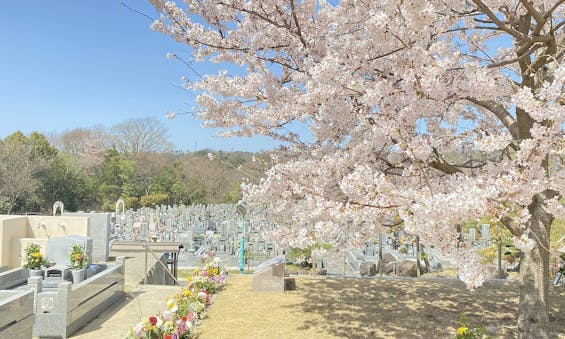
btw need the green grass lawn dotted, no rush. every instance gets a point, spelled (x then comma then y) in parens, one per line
(557, 230)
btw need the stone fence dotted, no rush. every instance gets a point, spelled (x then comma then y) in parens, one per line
(16, 308)
(10, 279)
(69, 307)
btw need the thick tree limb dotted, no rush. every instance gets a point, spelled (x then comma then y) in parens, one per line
(512, 225)
(503, 115)
(540, 20)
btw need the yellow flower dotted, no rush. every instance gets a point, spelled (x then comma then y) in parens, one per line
(171, 303)
(186, 293)
(462, 330)
(36, 255)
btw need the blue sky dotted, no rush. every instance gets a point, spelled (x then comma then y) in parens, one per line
(66, 64)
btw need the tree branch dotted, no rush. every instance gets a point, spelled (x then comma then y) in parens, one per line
(550, 11)
(540, 20)
(503, 115)
(512, 225)
(485, 9)
(298, 31)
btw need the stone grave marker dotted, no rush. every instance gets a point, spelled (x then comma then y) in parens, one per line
(58, 249)
(100, 231)
(269, 276)
(368, 268)
(472, 235)
(485, 232)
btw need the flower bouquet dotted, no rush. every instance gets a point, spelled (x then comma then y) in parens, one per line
(33, 257)
(79, 260)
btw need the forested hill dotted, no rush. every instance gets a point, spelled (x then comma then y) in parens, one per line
(86, 172)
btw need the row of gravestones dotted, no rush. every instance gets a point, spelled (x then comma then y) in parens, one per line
(365, 261)
(218, 227)
(198, 227)
(391, 244)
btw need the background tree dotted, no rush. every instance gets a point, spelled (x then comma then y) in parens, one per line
(62, 181)
(182, 187)
(387, 89)
(134, 136)
(147, 168)
(87, 146)
(21, 161)
(115, 181)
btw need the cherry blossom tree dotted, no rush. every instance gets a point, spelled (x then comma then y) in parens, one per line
(369, 98)
(86, 145)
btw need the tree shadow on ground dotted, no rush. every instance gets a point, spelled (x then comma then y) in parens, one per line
(416, 308)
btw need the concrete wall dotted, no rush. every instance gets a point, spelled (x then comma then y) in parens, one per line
(41, 226)
(18, 231)
(13, 278)
(12, 228)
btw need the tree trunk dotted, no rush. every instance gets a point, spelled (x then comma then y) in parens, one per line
(533, 312)
(418, 270)
(381, 266)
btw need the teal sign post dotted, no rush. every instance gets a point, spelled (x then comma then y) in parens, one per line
(241, 210)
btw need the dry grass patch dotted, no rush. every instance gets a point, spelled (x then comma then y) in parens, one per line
(368, 308)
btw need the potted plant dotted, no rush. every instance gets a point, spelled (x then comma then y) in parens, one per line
(34, 260)
(79, 261)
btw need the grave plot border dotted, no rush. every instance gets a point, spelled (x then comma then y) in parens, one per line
(62, 312)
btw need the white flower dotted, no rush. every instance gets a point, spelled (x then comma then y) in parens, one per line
(524, 243)
(159, 322)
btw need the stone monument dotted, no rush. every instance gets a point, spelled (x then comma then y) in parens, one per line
(269, 276)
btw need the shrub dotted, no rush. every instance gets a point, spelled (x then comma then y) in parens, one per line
(132, 202)
(153, 200)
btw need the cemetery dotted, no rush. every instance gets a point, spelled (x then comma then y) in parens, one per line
(61, 300)
(396, 169)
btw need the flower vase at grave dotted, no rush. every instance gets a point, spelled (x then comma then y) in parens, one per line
(78, 275)
(35, 273)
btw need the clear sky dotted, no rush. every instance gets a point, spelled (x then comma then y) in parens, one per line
(76, 63)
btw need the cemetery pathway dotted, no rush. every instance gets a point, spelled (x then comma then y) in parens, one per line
(140, 301)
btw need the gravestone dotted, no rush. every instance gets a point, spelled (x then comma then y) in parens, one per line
(472, 235)
(58, 249)
(100, 231)
(269, 276)
(368, 268)
(485, 232)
